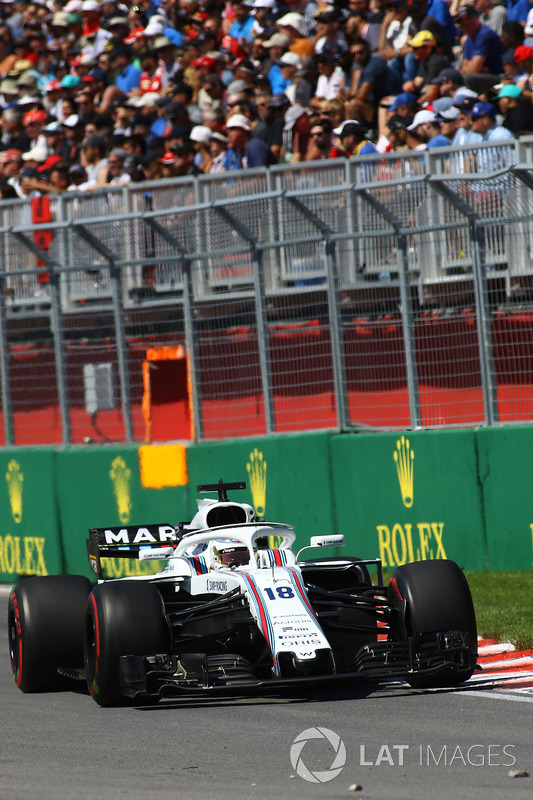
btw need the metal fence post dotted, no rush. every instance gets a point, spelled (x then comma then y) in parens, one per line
(7, 407)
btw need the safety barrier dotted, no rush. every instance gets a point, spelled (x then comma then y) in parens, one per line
(379, 293)
(408, 496)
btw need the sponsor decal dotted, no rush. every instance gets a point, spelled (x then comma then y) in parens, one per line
(257, 471)
(22, 555)
(146, 534)
(120, 475)
(400, 543)
(15, 480)
(217, 586)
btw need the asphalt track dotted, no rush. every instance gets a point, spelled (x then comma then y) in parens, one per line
(400, 744)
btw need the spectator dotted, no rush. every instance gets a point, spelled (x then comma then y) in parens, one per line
(298, 90)
(430, 64)
(296, 138)
(276, 46)
(93, 158)
(329, 33)
(54, 134)
(397, 27)
(269, 127)
(217, 148)
(482, 51)
(448, 81)
(294, 26)
(241, 30)
(517, 114)
(184, 153)
(352, 136)
(464, 133)
(114, 173)
(492, 14)
(244, 150)
(371, 81)
(484, 122)
(322, 145)
(332, 80)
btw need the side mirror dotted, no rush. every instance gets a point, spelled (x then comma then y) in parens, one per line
(333, 540)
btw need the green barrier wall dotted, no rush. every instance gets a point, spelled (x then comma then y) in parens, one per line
(288, 478)
(98, 488)
(463, 495)
(505, 458)
(409, 497)
(29, 530)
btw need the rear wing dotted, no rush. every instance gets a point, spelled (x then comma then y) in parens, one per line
(144, 542)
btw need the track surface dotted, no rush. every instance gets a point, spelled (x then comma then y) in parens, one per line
(64, 747)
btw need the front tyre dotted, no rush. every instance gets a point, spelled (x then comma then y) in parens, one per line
(121, 618)
(45, 629)
(432, 597)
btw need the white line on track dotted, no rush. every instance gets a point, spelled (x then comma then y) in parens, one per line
(520, 698)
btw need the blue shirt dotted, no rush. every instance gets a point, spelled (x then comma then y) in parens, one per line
(277, 83)
(255, 154)
(128, 79)
(242, 30)
(485, 42)
(519, 11)
(440, 140)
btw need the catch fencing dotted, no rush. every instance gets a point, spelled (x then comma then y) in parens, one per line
(389, 292)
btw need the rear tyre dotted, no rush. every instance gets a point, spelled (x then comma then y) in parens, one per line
(433, 596)
(121, 618)
(45, 628)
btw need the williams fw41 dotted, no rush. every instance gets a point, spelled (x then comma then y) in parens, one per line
(234, 608)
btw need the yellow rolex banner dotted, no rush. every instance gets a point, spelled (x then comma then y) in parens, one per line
(410, 496)
(29, 537)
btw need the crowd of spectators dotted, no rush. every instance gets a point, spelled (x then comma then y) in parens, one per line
(95, 93)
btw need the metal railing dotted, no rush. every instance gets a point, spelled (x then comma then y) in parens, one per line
(385, 292)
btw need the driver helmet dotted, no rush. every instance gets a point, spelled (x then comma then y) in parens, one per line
(229, 553)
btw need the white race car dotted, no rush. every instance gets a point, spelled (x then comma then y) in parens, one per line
(236, 608)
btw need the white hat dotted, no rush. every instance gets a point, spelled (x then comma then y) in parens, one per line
(292, 20)
(73, 5)
(71, 121)
(292, 114)
(528, 30)
(201, 133)
(421, 117)
(90, 5)
(147, 100)
(35, 154)
(462, 93)
(261, 3)
(291, 60)
(239, 121)
(338, 131)
(155, 27)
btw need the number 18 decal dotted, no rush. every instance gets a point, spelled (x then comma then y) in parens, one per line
(283, 592)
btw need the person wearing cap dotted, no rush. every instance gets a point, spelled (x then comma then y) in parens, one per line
(464, 133)
(114, 173)
(396, 137)
(33, 123)
(331, 83)
(517, 113)
(12, 164)
(184, 153)
(210, 93)
(523, 57)
(295, 27)
(262, 12)
(482, 49)
(217, 147)
(298, 90)
(245, 150)
(449, 122)
(127, 78)
(448, 81)
(269, 126)
(200, 137)
(296, 133)
(54, 134)
(166, 52)
(430, 64)
(329, 33)
(371, 82)
(276, 46)
(484, 122)
(352, 136)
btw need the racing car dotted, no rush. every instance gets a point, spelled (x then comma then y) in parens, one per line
(233, 607)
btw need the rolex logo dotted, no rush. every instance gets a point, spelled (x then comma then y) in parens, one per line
(257, 470)
(120, 474)
(15, 479)
(404, 457)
